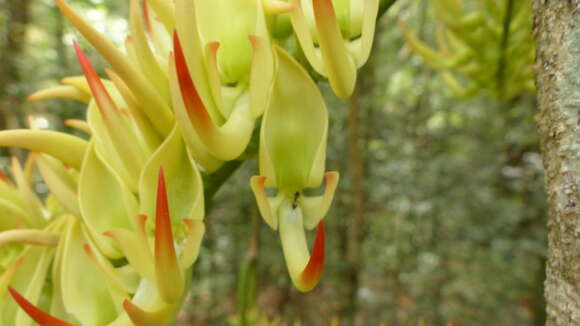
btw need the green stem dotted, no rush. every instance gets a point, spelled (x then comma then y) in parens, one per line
(213, 182)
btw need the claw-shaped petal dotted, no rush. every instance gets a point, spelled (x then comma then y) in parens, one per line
(141, 317)
(225, 142)
(29, 236)
(155, 107)
(169, 275)
(305, 269)
(313, 271)
(198, 150)
(67, 148)
(120, 134)
(339, 67)
(39, 316)
(63, 91)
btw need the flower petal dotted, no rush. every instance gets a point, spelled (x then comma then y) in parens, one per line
(29, 236)
(294, 126)
(145, 57)
(261, 74)
(169, 276)
(63, 91)
(305, 270)
(60, 182)
(313, 270)
(338, 65)
(67, 148)
(315, 208)
(156, 109)
(258, 187)
(104, 210)
(79, 277)
(184, 183)
(225, 142)
(39, 316)
(192, 244)
(198, 150)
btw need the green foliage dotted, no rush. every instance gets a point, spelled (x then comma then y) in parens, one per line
(482, 46)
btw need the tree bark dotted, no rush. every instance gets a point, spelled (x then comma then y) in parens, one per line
(557, 31)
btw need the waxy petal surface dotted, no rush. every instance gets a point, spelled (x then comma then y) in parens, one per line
(69, 149)
(169, 275)
(39, 316)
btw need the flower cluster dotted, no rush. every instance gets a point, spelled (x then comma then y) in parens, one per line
(488, 49)
(196, 80)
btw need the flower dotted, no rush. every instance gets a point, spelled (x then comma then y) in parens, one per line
(292, 153)
(336, 37)
(150, 289)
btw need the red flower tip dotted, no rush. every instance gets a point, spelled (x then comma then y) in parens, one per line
(167, 268)
(191, 99)
(40, 317)
(313, 271)
(136, 314)
(104, 101)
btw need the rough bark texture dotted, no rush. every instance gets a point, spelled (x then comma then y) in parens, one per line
(557, 30)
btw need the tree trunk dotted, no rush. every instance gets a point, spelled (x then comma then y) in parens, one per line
(557, 30)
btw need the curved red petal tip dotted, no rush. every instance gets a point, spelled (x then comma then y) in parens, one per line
(191, 99)
(136, 314)
(165, 255)
(162, 204)
(313, 271)
(40, 317)
(102, 97)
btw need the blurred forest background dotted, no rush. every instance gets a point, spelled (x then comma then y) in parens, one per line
(440, 214)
